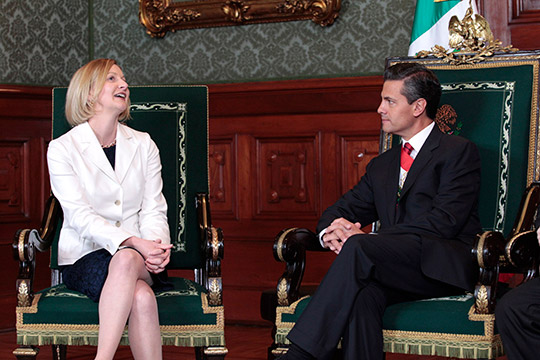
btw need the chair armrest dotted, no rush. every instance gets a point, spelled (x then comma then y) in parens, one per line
(488, 251)
(26, 241)
(522, 252)
(212, 249)
(290, 247)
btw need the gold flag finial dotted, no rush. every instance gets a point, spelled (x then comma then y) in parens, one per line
(470, 40)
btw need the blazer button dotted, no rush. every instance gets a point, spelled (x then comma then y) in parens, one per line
(118, 223)
(117, 202)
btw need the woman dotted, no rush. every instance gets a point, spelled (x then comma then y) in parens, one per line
(115, 241)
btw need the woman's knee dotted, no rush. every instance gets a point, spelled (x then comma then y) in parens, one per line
(144, 299)
(126, 260)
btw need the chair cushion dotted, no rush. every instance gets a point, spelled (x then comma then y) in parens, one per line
(440, 326)
(61, 316)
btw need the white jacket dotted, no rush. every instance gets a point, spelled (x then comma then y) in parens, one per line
(104, 206)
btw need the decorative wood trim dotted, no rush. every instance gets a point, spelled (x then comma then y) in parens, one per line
(223, 173)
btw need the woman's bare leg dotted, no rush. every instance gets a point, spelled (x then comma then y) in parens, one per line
(125, 270)
(144, 332)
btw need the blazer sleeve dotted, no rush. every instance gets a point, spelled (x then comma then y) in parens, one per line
(356, 205)
(153, 214)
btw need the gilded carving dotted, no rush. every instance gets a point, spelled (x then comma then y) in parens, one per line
(235, 11)
(157, 16)
(470, 41)
(317, 9)
(282, 293)
(216, 350)
(214, 294)
(23, 295)
(26, 351)
(215, 244)
(160, 16)
(280, 242)
(482, 301)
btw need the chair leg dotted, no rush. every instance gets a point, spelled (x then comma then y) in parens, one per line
(211, 353)
(26, 352)
(274, 351)
(59, 352)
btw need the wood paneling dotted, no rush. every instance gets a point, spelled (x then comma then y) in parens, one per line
(222, 177)
(285, 177)
(25, 122)
(291, 149)
(515, 22)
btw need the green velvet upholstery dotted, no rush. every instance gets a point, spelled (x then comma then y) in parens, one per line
(440, 326)
(62, 316)
(191, 314)
(494, 103)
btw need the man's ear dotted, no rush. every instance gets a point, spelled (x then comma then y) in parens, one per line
(419, 106)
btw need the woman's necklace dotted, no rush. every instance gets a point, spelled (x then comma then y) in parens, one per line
(110, 145)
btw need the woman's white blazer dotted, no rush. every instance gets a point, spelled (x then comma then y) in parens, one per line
(104, 206)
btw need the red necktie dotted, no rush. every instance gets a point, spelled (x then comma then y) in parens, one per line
(406, 158)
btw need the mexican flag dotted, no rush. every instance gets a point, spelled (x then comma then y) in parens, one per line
(431, 20)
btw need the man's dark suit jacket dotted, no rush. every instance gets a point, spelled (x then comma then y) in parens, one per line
(438, 202)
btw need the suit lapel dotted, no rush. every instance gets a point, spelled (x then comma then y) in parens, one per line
(126, 148)
(92, 150)
(392, 180)
(422, 159)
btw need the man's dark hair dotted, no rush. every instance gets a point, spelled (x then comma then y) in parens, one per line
(420, 82)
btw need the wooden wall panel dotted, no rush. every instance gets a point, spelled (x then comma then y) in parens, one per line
(25, 122)
(11, 178)
(299, 145)
(285, 177)
(356, 154)
(222, 168)
(515, 22)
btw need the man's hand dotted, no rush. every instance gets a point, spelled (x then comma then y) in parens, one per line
(538, 235)
(338, 232)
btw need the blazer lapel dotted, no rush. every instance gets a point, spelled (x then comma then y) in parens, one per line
(126, 148)
(422, 159)
(92, 150)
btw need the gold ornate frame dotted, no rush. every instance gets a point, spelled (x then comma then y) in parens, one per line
(160, 16)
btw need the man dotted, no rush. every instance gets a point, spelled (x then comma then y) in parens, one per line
(518, 317)
(425, 199)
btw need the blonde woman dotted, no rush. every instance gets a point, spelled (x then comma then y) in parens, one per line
(114, 242)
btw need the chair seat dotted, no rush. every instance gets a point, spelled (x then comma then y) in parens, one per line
(65, 317)
(451, 328)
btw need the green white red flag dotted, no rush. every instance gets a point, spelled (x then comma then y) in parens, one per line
(431, 20)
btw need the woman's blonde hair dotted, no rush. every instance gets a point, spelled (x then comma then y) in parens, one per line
(84, 87)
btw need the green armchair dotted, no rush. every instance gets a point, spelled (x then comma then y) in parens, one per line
(494, 103)
(191, 314)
